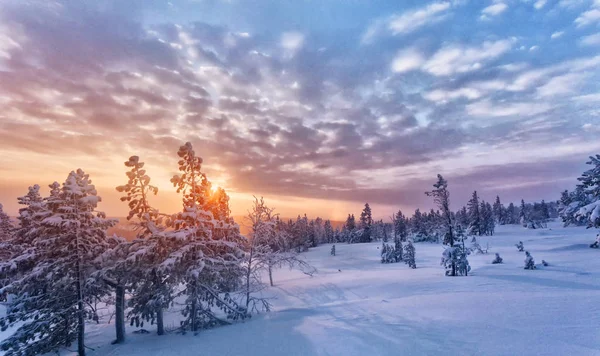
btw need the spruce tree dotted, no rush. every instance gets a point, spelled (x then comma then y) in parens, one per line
(590, 185)
(51, 302)
(523, 214)
(366, 222)
(328, 231)
(454, 257)
(511, 214)
(409, 255)
(6, 226)
(475, 225)
(498, 210)
(208, 252)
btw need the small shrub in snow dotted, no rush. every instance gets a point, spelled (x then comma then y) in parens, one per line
(388, 253)
(596, 243)
(457, 256)
(544, 263)
(497, 260)
(529, 262)
(333, 250)
(476, 247)
(520, 246)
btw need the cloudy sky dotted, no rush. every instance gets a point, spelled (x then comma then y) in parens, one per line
(317, 105)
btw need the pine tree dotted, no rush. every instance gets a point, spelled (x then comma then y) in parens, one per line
(51, 301)
(409, 255)
(462, 217)
(475, 225)
(418, 226)
(545, 212)
(454, 257)
(523, 215)
(328, 232)
(6, 226)
(333, 250)
(17, 252)
(511, 214)
(487, 221)
(366, 221)
(498, 210)
(122, 272)
(208, 252)
(590, 183)
(350, 223)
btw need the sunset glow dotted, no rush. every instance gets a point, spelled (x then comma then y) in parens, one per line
(319, 117)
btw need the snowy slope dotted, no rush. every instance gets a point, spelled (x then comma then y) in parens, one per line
(372, 309)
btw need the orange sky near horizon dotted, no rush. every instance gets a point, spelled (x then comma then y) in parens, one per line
(107, 173)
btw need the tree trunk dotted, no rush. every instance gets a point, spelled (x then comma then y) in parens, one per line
(120, 314)
(160, 326)
(80, 319)
(248, 277)
(193, 315)
(271, 274)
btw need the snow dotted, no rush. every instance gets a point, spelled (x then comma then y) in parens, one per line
(355, 305)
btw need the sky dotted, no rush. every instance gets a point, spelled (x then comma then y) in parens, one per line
(317, 105)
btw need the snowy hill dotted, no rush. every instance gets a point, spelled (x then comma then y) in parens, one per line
(358, 306)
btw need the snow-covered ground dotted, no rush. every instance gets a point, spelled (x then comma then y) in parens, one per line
(357, 306)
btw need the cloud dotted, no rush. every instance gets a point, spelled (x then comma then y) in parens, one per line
(412, 20)
(460, 59)
(408, 21)
(292, 41)
(485, 108)
(407, 60)
(439, 95)
(272, 114)
(560, 85)
(590, 40)
(589, 17)
(556, 34)
(539, 4)
(494, 9)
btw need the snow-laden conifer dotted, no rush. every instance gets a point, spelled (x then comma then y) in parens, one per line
(51, 301)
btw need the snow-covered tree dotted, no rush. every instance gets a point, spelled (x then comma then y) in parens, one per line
(409, 255)
(51, 302)
(487, 219)
(350, 223)
(462, 217)
(17, 251)
(512, 216)
(529, 262)
(130, 265)
(207, 254)
(590, 183)
(388, 254)
(418, 226)
(365, 223)
(499, 211)
(6, 226)
(265, 251)
(475, 224)
(328, 232)
(523, 214)
(333, 250)
(455, 253)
